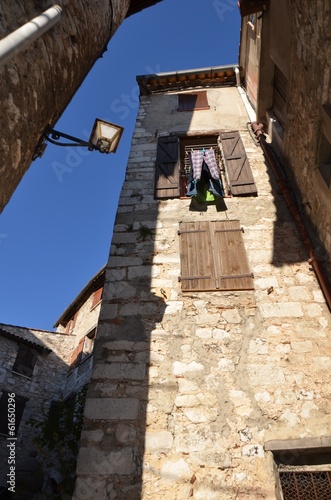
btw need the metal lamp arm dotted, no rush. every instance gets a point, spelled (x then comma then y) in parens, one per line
(53, 136)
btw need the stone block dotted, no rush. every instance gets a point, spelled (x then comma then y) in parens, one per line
(281, 310)
(176, 471)
(111, 408)
(120, 371)
(261, 375)
(158, 441)
(179, 368)
(92, 461)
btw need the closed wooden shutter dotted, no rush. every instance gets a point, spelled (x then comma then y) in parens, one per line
(213, 256)
(239, 172)
(76, 354)
(191, 102)
(231, 257)
(25, 361)
(197, 266)
(167, 168)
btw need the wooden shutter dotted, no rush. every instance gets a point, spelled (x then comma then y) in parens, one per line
(231, 259)
(76, 354)
(97, 297)
(239, 172)
(279, 96)
(248, 7)
(197, 266)
(191, 102)
(213, 256)
(25, 361)
(167, 168)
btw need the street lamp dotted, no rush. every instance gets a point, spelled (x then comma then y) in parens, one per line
(105, 137)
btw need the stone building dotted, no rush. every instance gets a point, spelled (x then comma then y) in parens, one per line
(80, 320)
(42, 368)
(285, 55)
(211, 374)
(40, 79)
(34, 365)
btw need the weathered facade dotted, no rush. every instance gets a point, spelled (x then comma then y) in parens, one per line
(80, 320)
(212, 355)
(285, 59)
(34, 368)
(39, 81)
(38, 370)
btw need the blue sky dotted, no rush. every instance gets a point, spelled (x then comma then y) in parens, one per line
(55, 233)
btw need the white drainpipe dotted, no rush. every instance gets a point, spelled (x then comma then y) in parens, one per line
(27, 33)
(249, 109)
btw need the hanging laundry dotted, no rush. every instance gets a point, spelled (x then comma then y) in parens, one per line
(204, 175)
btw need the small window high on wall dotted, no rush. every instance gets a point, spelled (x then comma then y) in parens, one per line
(193, 101)
(213, 256)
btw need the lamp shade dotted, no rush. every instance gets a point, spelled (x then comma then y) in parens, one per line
(105, 136)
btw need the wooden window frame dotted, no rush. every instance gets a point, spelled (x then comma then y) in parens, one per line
(213, 257)
(172, 164)
(25, 361)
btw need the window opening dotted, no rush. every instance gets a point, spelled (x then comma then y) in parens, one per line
(25, 361)
(304, 474)
(324, 159)
(193, 102)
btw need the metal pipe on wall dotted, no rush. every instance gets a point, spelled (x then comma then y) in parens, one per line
(27, 33)
(291, 203)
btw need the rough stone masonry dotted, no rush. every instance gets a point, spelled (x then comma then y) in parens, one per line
(188, 387)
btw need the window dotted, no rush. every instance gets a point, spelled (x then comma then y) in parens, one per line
(303, 466)
(279, 96)
(97, 297)
(83, 349)
(192, 102)
(324, 159)
(20, 403)
(173, 164)
(71, 323)
(213, 256)
(25, 361)
(88, 343)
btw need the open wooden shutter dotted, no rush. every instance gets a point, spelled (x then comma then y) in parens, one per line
(231, 259)
(167, 168)
(213, 256)
(76, 354)
(239, 172)
(97, 297)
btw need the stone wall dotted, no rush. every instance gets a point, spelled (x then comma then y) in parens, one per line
(38, 83)
(309, 89)
(47, 383)
(187, 387)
